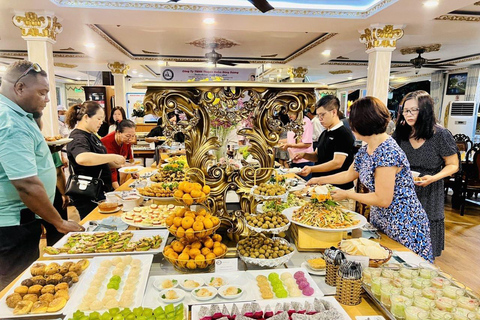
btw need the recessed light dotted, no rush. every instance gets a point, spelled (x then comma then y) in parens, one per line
(90, 45)
(134, 71)
(350, 78)
(430, 3)
(209, 20)
(160, 62)
(140, 75)
(326, 52)
(78, 78)
(3, 68)
(268, 66)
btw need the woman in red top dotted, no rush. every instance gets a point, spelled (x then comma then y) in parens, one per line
(120, 142)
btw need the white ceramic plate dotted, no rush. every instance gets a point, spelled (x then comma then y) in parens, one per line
(59, 142)
(224, 280)
(222, 290)
(7, 313)
(137, 235)
(211, 289)
(157, 284)
(196, 279)
(180, 294)
(289, 170)
(314, 272)
(361, 221)
(127, 169)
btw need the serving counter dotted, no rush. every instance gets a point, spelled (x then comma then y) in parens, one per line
(162, 267)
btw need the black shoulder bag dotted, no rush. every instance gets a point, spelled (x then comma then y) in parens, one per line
(84, 186)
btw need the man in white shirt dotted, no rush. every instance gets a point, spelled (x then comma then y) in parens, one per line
(317, 128)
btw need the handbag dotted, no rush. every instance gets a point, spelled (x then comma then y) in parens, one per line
(84, 186)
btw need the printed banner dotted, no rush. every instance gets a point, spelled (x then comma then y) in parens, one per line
(185, 74)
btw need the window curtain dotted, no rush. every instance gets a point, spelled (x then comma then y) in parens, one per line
(472, 91)
(437, 85)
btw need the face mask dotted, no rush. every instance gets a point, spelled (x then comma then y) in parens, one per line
(61, 117)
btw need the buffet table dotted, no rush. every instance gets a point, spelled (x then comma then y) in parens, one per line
(161, 267)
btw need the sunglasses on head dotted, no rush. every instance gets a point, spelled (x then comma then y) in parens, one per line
(35, 67)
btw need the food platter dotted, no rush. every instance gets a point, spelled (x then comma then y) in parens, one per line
(109, 212)
(137, 235)
(130, 169)
(356, 216)
(59, 142)
(239, 278)
(136, 287)
(6, 312)
(331, 302)
(144, 217)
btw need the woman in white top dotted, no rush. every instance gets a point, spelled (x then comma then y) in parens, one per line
(117, 115)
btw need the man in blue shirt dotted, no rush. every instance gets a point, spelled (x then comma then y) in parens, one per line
(27, 172)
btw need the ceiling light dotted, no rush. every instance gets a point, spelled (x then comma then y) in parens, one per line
(430, 3)
(134, 71)
(271, 79)
(140, 75)
(209, 20)
(78, 78)
(350, 78)
(90, 45)
(268, 66)
(146, 79)
(392, 76)
(160, 62)
(3, 68)
(326, 52)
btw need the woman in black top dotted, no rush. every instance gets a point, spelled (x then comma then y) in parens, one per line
(86, 153)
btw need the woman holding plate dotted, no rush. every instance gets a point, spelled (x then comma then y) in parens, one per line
(382, 166)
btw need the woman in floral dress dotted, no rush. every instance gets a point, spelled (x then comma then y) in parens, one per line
(383, 168)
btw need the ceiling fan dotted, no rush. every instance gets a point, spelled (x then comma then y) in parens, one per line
(214, 57)
(261, 5)
(420, 62)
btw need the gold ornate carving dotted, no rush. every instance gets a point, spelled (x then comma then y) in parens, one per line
(219, 100)
(296, 73)
(453, 17)
(65, 65)
(381, 37)
(118, 68)
(55, 54)
(477, 3)
(429, 48)
(35, 25)
(221, 43)
(340, 72)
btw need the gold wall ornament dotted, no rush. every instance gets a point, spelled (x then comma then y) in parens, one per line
(428, 48)
(340, 72)
(65, 65)
(38, 25)
(205, 43)
(118, 68)
(454, 17)
(203, 102)
(297, 73)
(381, 36)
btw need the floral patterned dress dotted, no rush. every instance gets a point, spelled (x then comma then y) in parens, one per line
(404, 220)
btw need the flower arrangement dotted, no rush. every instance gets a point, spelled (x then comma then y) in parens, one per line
(138, 110)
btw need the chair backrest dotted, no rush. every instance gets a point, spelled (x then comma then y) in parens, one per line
(463, 142)
(474, 154)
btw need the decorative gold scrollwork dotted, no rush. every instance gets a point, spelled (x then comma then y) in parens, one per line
(38, 25)
(381, 37)
(201, 105)
(118, 68)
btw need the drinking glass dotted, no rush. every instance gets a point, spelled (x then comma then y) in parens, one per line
(386, 292)
(398, 305)
(440, 315)
(415, 313)
(427, 270)
(424, 303)
(453, 292)
(408, 271)
(445, 304)
(420, 283)
(468, 303)
(377, 284)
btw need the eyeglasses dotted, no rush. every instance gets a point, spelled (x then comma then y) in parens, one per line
(412, 112)
(35, 67)
(321, 115)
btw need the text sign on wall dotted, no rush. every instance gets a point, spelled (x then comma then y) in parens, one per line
(185, 74)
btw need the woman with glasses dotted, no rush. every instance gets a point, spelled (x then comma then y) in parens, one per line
(383, 168)
(432, 151)
(86, 153)
(120, 142)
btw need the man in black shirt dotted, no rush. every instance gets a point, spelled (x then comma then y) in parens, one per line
(334, 153)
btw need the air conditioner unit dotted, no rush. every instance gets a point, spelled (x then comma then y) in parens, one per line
(461, 117)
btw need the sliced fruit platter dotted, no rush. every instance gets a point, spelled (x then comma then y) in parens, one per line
(152, 216)
(44, 289)
(169, 312)
(195, 289)
(108, 243)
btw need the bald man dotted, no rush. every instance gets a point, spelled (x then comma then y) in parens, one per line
(27, 172)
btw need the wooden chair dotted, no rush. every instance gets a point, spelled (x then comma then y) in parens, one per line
(454, 181)
(463, 142)
(471, 177)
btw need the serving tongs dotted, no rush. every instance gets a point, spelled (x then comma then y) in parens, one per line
(100, 225)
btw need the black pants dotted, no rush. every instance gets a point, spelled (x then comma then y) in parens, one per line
(84, 206)
(52, 234)
(18, 247)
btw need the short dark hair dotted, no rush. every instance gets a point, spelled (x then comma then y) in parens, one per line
(330, 102)
(75, 113)
(125, 124)
(369, 116)
(425, 124)
(173, 114)
(124, 116)
(16, 69)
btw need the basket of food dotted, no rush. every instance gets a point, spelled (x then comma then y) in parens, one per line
(377, 253)
(190, 193)
(198, 256)
(269, 222)
(190, 224)
(265, 252)
(270, 190)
